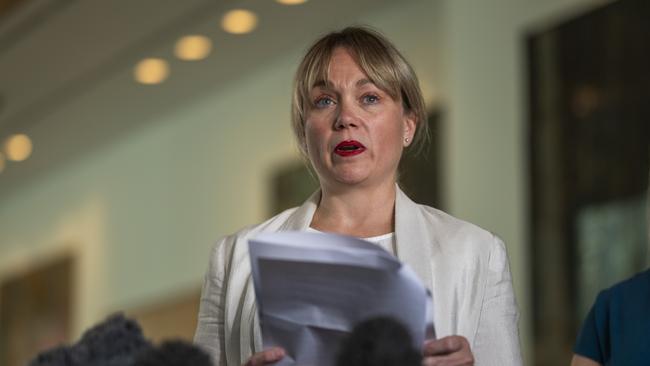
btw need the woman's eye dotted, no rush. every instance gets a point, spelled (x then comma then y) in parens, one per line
(323, 102)
(370, 99)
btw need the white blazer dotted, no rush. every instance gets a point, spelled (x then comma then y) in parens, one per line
(465, 267)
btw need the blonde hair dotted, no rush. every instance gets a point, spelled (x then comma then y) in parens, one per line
(379, 60)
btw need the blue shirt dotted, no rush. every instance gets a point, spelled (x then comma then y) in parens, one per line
(617, 328)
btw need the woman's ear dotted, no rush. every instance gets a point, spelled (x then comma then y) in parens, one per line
(410, 125)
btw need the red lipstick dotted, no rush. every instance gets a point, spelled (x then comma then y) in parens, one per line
(349, 148)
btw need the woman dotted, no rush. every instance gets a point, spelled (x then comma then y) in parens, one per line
(356, 108)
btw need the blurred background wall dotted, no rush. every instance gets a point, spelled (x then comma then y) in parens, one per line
(131, 184)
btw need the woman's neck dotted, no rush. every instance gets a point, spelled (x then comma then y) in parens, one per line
(361, 212)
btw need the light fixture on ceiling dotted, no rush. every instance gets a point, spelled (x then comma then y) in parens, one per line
(151, 71)
(18, 147)
(291, 2)
(239, 21)
(193, 48)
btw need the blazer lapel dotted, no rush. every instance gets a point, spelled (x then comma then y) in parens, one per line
(412, 238)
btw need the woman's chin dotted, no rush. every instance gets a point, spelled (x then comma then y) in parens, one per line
(342, 178)
(352, 179)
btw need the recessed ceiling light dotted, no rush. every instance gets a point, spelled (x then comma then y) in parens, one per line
(193, 48)
(151, 71)
(291, 2)
(239, 21)
(18, 147)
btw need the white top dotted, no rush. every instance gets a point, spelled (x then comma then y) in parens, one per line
(385, 241)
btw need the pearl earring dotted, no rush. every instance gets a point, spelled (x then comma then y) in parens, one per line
(406, 139)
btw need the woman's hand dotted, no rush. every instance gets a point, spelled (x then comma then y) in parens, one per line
(266, 357)
(447, 351)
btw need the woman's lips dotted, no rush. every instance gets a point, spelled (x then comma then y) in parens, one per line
(349, 148)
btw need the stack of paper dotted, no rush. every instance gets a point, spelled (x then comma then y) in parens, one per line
(313, 288)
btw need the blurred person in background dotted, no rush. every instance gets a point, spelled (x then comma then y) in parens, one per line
(616, 330)
(357, 107)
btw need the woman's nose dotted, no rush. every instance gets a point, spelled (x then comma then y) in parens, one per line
(346, 117)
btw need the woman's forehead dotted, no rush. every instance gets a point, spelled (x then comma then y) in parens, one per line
(340, 62)
(329, 84)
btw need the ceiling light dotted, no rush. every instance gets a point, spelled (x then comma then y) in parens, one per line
(291, 2)
(239, 21)
(18, 147)
(193, 48)
(151, 71)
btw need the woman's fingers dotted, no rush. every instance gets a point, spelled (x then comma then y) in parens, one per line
(448, 351)
(444, 345)
(266, 357)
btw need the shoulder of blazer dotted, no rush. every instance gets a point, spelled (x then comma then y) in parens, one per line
(230, 253)
(456, 235)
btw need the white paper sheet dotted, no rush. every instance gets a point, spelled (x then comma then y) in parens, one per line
(313, 288)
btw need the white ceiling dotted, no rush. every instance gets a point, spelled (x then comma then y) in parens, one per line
(65, 65)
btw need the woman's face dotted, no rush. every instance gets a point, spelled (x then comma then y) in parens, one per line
(355, 132)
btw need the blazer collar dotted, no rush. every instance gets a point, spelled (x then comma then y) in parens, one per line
(300, 219)
(411, 234)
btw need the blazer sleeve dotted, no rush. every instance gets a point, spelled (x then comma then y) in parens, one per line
(210, 326)
(497, 336)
